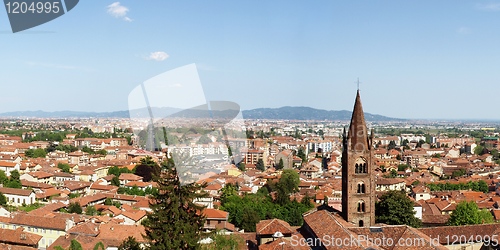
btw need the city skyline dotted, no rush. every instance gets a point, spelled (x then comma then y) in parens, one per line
(419, 60)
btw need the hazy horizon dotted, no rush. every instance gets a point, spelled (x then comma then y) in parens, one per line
(419, 60)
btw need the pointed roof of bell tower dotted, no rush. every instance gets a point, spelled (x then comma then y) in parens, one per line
(358, 134)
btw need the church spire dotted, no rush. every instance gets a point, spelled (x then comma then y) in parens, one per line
(358, 133)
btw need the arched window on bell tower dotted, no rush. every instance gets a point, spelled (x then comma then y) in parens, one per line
(361, 188)
(361, 206)
(360, 166)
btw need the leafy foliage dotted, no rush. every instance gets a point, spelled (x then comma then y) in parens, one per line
(246, 211)
(260, 165)
(175, 221)
(75, 208)
(458, 173)
(280, 165)
(147, 168)
(480, 186)
(13, 181)
(116, 171)
(91, 210)
(396, 208)
(64, 167)
(3, 199)
(468, 213)
(99, 245)
(241, 166)
(115, 181)
(137, 191)
(130, 244)
(35, 153)
(75, 245)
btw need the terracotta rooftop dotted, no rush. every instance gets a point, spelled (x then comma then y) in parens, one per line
(269, 227)
(19, 237)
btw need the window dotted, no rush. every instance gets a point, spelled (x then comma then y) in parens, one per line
(361, 207)
(360, 167)
(361, 188)
(361, 223)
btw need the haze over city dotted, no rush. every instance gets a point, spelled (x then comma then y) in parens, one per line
(429, 59)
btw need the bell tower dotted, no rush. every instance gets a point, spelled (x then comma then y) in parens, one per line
(358, 181)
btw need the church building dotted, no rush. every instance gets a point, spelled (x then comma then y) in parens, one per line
(358, 181)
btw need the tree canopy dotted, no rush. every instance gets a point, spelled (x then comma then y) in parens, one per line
(396, 208)
(130, 244)
(3, 199)
(175, 221)
(147, 168)
(468, 213)
(260, 165)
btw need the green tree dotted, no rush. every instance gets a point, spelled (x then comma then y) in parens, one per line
(115, 170)
(458, 173)
(392, 145)
(260, 165)
(403, 167)
(250, 219)
(290, 181)
(479, 150)
(3, 177)
(288, 184)
(108, 202)
(227, 191)
(99, 245)
(115, 181)
(147, 168)
(241, 166)
(280, 165)
(75, 245)
(468, 213)
(35, 153)
(3, 199)
(130, 244)
(175, 221)
(90, 210)
(396, 208)
(301, 154)
(393, 174)
(64, 167)
(14, 181)
(482, 186)
(75, 208)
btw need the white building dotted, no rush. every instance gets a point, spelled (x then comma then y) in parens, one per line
(18, 197)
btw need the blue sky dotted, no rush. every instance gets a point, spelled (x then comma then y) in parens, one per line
(425, 59)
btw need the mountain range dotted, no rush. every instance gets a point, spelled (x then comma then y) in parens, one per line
(283, 113)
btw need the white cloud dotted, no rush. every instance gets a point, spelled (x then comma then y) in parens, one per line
(119, 11)
(463, 31)
(157, 56)
(489, 7)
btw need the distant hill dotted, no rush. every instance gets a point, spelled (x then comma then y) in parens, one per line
(283, 113)
(306, 113)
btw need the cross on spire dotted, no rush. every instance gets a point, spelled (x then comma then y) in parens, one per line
(358, 83)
